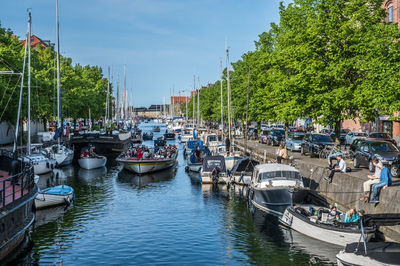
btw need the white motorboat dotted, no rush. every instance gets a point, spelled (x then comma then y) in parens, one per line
(53, 196)
(211, 140)
(41, 164)
(213, 170)
(92, 162)
(230, 159)
(318, 225)
(191, 145)
(243, 170)
(274, 187)
(61, 154)
(142, 166)
(186, 135)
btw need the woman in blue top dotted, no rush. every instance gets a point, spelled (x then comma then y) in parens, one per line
(385, 180)
(351, 216)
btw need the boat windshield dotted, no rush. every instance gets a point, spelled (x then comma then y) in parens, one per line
(289, 175)
(212, 138)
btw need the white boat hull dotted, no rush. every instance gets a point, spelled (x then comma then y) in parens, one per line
(230, 161)
(195, 167)
(336, 237)
(44, 200)
(145, 167)
(92, 162)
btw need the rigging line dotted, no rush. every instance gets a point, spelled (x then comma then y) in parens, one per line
(9, 99)
(6, 63)
(5, 90)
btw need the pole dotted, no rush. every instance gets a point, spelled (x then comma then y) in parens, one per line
(107, 98)
(58, 74)
(198, 101)
(22, 86)
(247, 108)
(194, 98)
(125, 92)
(186, 102)
(29, 84)
(229, 95)
(222, 103)
(117, 105)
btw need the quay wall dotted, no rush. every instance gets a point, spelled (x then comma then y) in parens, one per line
(345, 189)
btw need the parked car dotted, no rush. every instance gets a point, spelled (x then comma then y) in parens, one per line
(355, 144)
(382, 136)
(264, 127)
(325, 131)
(385, 151)
(352, 135)
(275, 137)
(294, 141)
(263, 136)
(314, 143)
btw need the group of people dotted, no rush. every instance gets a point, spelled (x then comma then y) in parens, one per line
(143, 152)
(381, 179)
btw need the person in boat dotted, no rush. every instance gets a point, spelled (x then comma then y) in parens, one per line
(85, 153)
(227, 144)
(139, 154)
(385, 180)
(334, 214)
(341, 167)
(281, 153)
(372, 179)
(197, 154)
(351, 216)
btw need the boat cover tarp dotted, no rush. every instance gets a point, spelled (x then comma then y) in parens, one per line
(384, 252)
(58, 190)
(382, 219)
(192, 144)
(244, 165)
(212, 162)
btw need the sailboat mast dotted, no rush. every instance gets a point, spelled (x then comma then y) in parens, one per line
(194, 98)
(58, 73)
(107, 98)
(198, 100)
(29, 84)
(222, 102)
(125, 94)
(117, 108)
(229, 94)
(22, 88)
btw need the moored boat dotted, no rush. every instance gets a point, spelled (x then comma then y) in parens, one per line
(192, 145)
(92, 162)
(318, 225)
(275, 187)
(61, 154)
(147, 136)
(41, 164)
(213, 170)
(243, 170)
(54, 196)
(169, 136)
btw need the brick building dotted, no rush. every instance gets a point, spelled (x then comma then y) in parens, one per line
(35, 41)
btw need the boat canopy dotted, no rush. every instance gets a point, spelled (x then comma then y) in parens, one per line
(192, 144)
(245, 165)
(58, 190)
(212, 162)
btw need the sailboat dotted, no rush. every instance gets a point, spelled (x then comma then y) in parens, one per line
(41, 164)
(58, 152)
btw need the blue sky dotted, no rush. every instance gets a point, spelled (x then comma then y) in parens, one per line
(162, 42)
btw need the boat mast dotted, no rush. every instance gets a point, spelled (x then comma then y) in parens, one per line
(22, 85)
(194, 99)
(198, 100)
(247, 108)
(107, 99)
(125, 94)
(117, 109)
(222, 103)
(229, 95)
(58, 74)
(29, 84)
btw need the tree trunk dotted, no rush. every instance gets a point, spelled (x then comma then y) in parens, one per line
(337, 132)
(286, 130)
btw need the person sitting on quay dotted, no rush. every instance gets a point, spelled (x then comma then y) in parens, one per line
(372, 179)
(336, 151)
(340, 168)
(385, 180)
(281, 153)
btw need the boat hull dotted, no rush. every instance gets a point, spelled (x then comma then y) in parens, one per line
(92, 163)
(275, 200)
(147, 166)
(44, 200)
(195, 167)
(321, 232)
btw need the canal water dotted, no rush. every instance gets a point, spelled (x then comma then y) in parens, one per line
(163, 218)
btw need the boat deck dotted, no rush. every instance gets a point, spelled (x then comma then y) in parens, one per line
(9, 192)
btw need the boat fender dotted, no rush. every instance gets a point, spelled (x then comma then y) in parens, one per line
(47, 165)
(52, 166)
(187, 169)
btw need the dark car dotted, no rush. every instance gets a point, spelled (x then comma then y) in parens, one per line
(314, 143)
(385, 151)
(263, 136)
(275, 137)
(381, 135)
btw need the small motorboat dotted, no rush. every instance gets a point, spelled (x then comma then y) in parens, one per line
(169, 136)
(321, 226)
(186, 135)
(213, 170)
(243, 170)
(53, 196)
(41, 164)
(156, 129)
(90, 160)
(275, 187)
(372, 253)
(61, 154)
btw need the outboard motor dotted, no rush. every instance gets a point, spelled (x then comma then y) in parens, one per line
(215, 174)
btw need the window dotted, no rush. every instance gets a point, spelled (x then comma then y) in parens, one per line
(280, 175)
(390, 13)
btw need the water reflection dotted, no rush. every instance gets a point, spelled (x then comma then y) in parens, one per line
(48, 215)
(92, 174)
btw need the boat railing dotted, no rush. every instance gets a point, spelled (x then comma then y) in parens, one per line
(18, 185)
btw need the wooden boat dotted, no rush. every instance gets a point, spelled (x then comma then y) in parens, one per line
(142, 166)
(243, 170)
(213, 170)
(317, 225)
(54, 196)
(275, 187)
(92, 162)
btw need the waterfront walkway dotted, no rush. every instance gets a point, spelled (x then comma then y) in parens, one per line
(345, 189)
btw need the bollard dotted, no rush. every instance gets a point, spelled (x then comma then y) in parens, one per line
(265, 155)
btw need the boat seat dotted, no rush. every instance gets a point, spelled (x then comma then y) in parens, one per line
(324, 217)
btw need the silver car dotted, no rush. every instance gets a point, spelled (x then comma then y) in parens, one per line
(352, 135)
(293, 142)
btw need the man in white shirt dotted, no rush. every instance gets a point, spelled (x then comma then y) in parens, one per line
(372, 179)
(341, 167)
